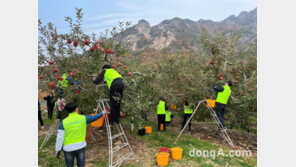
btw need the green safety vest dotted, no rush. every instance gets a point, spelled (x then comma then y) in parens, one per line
(64, 83)
(75, 128)
(168, 116)
(188, 110)
(222, 97)
(110, 75)
(161, 107)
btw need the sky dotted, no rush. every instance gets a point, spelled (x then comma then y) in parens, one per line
(99, 14)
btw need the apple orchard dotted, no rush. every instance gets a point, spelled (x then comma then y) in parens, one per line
(149, 74)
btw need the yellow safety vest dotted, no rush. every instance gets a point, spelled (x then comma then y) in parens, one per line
(110, 75)
(188, 110)
(161, 107)
(223, 97)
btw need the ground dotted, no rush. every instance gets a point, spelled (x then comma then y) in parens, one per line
(203, 136)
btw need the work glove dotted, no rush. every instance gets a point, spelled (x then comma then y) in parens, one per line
(104, 111)
(58, 154)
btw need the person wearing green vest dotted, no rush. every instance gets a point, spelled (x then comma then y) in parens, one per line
(161, 114)
(115, 84)
(221, 101)
(168, 117)
(64, 84)
(71, 135)
(187, 114)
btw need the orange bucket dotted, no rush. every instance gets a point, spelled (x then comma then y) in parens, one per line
(177, 153)
(148, 129)
(161, 126)
(98, 123)
(211, 103)
(162, 159)
(173, 106)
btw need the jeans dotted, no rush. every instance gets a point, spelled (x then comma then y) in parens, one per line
(80, 157)
(184, 121)
(220, 110)
(115, 94)
(161, 120)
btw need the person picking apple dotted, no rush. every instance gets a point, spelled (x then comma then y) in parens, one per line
(115, 84)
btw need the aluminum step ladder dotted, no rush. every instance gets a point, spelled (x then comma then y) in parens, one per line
(223, 133)
(103, 105)
(50, 132)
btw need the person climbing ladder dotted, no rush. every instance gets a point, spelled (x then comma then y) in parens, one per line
(116, 87)
(221, 102)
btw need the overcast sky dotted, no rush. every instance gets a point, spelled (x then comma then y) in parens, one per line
(99, 14)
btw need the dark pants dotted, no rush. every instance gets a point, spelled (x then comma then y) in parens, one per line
(184, 121)
(220, 110)
(40, 118)
(80, 157)
(115, 95)
(49, 111)
(161, 120)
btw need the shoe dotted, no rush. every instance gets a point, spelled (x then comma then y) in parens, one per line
(42, 127)
(159, 132)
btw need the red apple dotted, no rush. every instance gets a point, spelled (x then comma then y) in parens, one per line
(51, 84)
(72, 74)
(55, 37)
(114, 66)
(102, 49)
(117, 59)
(100, 42)
(236, 77)
(55, 70)
(98, 47)
(75, 43)
(86, 41)
(41, 77)
(111, 52)
(222, 74)
(249, 68)
(60, 78)
(69, 41)
(77, 91)
(236, 82)
(92, 48)
(221, 78)
(51, 62)
(124, 67)
(129, 73)
(230, 71)
(212, 66)
(119, 64)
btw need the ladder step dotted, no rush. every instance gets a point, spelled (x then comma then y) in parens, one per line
(117, 135)
(120, 147)
(123, 158)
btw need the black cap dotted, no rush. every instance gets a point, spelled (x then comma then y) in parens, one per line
(106, 66)
(70, 107)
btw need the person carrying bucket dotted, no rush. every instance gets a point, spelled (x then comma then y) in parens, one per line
(187, 114)
(115, 84)
(71, 135)
(221, 102)
(161, 114)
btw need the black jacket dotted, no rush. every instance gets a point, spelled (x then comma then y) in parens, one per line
(50, 101)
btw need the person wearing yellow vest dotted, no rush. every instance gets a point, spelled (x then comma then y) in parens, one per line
(161, 108)
(115, 84)
(221, 101)
(187, 114)
(168, 117)
(64, 84)
(71, 135)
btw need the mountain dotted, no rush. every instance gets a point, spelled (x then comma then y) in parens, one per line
(177, 33)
